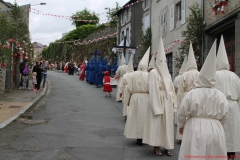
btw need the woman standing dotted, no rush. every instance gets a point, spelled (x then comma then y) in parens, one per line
(38, 69)
(44, 66)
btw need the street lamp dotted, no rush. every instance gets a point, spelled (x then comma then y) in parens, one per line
(39, 4)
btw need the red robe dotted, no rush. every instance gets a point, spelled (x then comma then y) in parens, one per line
(82, 75)
(106, 84)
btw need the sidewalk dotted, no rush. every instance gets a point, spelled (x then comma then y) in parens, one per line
(15, 103)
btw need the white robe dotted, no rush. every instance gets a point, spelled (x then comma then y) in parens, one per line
(175, 83)
(229, 84)
(125, 92)
(201, 114)
(159, 127)
(120, 72)
(185, 85)
(139, 102)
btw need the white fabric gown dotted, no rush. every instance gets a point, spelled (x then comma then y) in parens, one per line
(176, 83)
(139, 102)
(229, 84)
(184, 86)
(205, 110)
(120, 72)
(125, 92)
(159, 115)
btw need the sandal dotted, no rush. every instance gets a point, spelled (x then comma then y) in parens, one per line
(168, 152)
(157, 151)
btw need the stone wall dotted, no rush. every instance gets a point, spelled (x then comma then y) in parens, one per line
(210, 18)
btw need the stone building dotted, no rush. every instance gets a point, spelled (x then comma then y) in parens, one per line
(133, 20)
(169, 21)
(226, 24)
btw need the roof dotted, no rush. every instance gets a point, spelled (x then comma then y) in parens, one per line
(6, 3)
(122, 8)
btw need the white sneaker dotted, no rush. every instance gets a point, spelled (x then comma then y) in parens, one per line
(20, 87)
(29, 88)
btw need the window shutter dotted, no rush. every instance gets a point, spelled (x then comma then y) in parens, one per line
(183, 5)
(172, 18)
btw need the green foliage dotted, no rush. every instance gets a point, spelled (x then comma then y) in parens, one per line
(146, 41)
(4, 36)
(193, 33)
(82, 32)
(111, 15)
(84, 15)
(13, 25)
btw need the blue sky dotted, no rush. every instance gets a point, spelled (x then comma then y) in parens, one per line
(46, 29)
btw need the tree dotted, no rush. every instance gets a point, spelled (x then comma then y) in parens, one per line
(111, 15)
(193, 33)
(80, 17)
(146, 40)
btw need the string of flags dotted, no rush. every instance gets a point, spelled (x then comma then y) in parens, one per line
(48, 37)
(89, 41)
(70, 16)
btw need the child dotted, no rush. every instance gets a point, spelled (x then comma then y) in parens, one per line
(106, 82)
(26, 71)
(34, 81)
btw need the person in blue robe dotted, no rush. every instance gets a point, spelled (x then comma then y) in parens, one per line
(88, 70)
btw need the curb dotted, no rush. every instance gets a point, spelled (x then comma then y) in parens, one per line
(8, 121)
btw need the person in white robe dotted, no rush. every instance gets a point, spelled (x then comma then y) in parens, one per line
(122, 69)
(152, 62)
(178, 80)
(229, 84)
(139, 102)
(201, 115)
(186, 82)
(159, 127)
(123, 89)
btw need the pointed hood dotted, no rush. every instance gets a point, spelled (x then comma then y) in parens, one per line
(207, 75)
(130, 65)
(162, 68)
(191, 64)
(184, 66)
(222, 59)
(123, 61)
(143, 64)
(152, 62)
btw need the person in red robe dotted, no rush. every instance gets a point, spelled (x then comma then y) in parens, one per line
(82, 69)
(106, 84)
(66, 67)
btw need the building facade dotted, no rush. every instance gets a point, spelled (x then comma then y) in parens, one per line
(133, 21)
(169, 21)
(226, 24)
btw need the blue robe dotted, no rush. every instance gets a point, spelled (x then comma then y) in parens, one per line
(99, 73)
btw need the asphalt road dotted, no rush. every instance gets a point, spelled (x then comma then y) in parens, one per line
(81, 125)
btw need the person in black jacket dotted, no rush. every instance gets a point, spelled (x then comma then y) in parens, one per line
(21, 68)
(38, 69)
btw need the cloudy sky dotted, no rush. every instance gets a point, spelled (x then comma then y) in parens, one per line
(46, 29)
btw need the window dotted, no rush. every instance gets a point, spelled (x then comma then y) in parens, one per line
(179, 10)
(122, 35)
(146, 3)
(163, 24)
(125, 16)
(183, 11)
(146, 23)
(122, 18)
(128, 14)
(127, 34)
(169, 58)
(172, 18)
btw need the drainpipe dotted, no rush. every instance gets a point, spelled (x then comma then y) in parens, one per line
(203, 37)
